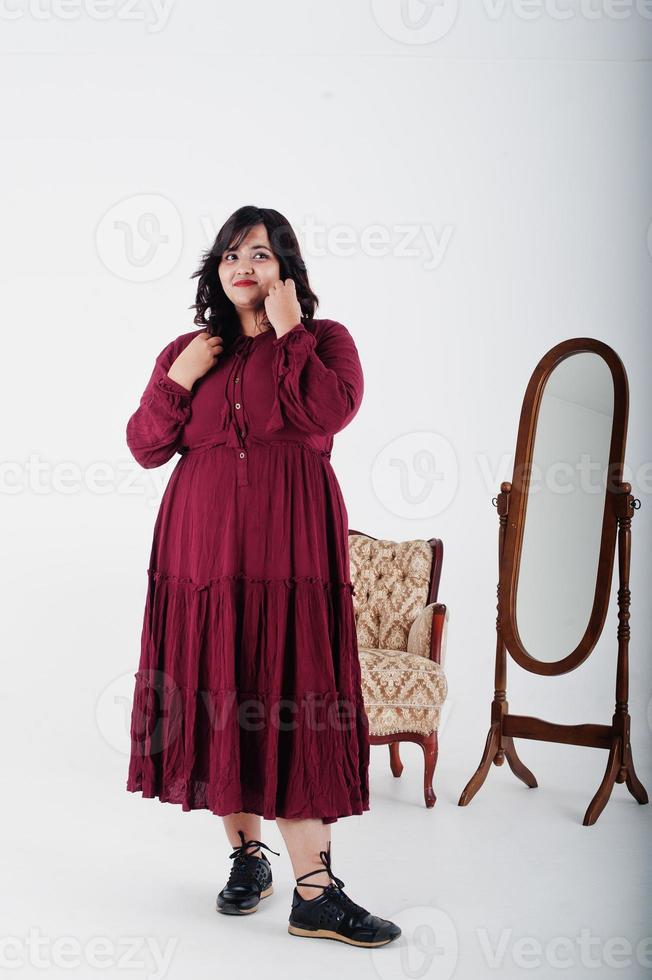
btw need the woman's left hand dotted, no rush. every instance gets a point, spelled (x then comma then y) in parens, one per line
(282, 306)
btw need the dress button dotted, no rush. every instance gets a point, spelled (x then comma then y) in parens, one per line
(236, 380)
(237, 404)
(242, 455)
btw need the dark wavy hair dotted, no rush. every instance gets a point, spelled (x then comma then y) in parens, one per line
(223, 319)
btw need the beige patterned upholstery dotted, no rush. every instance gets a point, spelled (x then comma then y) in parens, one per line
(403, 685)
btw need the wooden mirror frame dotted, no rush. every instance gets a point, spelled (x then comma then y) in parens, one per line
(518, 496)
(618, 510)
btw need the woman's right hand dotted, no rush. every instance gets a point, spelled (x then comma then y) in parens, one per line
(196, 359)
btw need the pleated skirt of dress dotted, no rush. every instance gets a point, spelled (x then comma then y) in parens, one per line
(248, 693)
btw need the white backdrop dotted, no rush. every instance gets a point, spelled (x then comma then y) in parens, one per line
(470, 186)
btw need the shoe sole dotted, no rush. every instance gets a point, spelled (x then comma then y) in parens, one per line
(231, 909)
(327, 934)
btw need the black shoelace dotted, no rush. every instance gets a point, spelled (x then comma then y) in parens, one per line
(336, 886)
(241, 870)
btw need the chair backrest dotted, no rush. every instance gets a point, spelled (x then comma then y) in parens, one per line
(392, 582)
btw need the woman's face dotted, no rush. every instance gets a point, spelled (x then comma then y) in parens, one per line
(254, 265)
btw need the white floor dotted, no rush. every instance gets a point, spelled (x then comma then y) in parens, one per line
(512, 885)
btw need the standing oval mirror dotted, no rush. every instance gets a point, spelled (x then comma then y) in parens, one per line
(560, 518)
(564, 508)
(561, 531)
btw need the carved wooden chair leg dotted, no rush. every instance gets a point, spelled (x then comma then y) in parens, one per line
(429, 744)
(395, 759)
(515, 764)
(599, 801)
(478, 778)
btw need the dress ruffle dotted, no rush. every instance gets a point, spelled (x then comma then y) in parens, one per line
(257, 733)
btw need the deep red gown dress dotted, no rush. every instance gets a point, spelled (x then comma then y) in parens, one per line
(248, 694)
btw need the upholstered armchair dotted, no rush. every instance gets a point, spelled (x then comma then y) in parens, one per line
(401, 631)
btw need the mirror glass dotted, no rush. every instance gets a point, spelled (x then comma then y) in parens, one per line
(564, 507)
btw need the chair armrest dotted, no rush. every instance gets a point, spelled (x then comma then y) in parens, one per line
(428, 633)
(439, 633)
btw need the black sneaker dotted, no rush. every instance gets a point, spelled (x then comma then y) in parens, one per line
(249, 881)
(333, 915)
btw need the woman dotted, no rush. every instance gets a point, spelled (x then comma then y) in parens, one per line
(248, 699)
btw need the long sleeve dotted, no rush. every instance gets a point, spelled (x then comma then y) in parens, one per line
(155, 429)
(319, 384)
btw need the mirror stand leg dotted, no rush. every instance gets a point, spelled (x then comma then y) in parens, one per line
(518, 768)
(498, 746)
(599, 801)
(620, 768)
(492, 745)
(634, 785)
(627, 772)
(620, 765)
